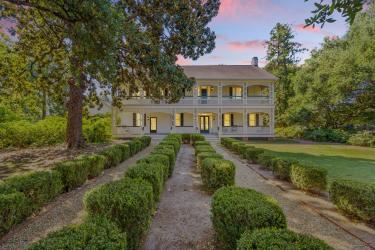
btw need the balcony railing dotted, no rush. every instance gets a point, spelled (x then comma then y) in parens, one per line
(235, 130)
(131, 130)
(207, 100)
(185, 130)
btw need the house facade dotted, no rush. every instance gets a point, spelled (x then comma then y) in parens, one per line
(225, 101)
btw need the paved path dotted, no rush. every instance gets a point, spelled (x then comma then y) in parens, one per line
(301, 218)
(183, 219)
(64, 210)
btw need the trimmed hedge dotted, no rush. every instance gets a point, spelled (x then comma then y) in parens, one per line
(217, 173)
(38, 187)
(151, 172)
(203, 148)
(272, 238)
(308, 178)
(146, 141)
(354, 199)
(281, 168)
(196, 137)
(203, 155)
(158, 158)
(186, 138)
(226, 142)
(171, 155)
(127, 202)
(202, 143)
(235, 210)
(113, 156)
(173, 143)
(242, 149)
(94, 233)
(266, 160)
(74, 173)
(14, 208)
(253, 153)
(95, 165)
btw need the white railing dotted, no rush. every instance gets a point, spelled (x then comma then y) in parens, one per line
(259, 100)
(233, 130)
(232, 100)
(184, 130)
(128, 130)
(258, 130)
(207, 100)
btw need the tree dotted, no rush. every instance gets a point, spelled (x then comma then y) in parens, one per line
(117, 47)
(282, 58)
(324, 11)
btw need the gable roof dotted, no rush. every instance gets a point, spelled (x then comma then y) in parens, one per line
(227, 72)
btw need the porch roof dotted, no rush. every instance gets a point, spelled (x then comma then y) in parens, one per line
(227, 72)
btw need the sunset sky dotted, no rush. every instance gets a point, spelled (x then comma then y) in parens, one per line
(242, 26)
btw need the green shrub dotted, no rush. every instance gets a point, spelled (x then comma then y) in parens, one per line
(364, 138)
(266, 160)
(253, 153)
(38, 187)
(170, 153)
(235, 210)
(170, 145)
(172, 141)
(290, 132)
(95, 233)
(330, 135)
(354, 198)
(113, 156)
(174, 136)
(14, 208)
(158, 158)
(146, 141)
(127, 202)
(138, 144)
(242, 149)
(235, 146)
(151, 172)
(73, 173)
(204, 155)
(308, 178)
(97, 129)
(272, 238)
(96, 164)
(134, 146)
(186, 138)
(202, 143)
(226, 142)
(281, 168)
(125, 151)
(203, 148)
(217, 173)
(197, 137)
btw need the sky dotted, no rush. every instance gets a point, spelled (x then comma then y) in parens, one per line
(242, 26)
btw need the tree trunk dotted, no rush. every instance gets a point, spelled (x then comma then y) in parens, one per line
(74, 134)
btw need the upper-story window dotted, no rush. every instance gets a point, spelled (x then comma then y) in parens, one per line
(258, 90)
(179, 120)
(235, 91)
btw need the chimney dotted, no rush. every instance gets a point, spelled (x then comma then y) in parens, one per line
(254, 61)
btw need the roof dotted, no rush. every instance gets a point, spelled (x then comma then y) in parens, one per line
(227, 72)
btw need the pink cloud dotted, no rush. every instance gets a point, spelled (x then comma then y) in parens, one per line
(182, 60)
(301, 27)
(245, 45)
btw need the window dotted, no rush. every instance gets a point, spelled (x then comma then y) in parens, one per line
(252, 120)
(178, 120)
(227, 120)
(258, 90)
(237, 91)
(137, 119)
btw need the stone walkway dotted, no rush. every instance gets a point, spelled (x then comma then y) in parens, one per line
(64, 210)
(300, 216)
(182, 220)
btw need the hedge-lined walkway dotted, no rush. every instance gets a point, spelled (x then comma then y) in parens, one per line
(65, 210)
(300, 218)
(182, 220)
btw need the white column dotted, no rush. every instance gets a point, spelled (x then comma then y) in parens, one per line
(174, 121)
(244, 121)
(195, 120)
(114, 118)
(142, 121)
(220, 93)
(219, 121)
(195, 94)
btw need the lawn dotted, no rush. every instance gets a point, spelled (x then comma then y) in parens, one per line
(341, 161)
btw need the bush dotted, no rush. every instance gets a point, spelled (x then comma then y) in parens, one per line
(38, 187)
(186, 138)
(203, 148)
(127, 202)
(174, 142)
(73, 173)
(125, 151)
(134, 146)
(151, 172)
(170, 145)
(281, 168)
(14, 208)
(290, 132)
(94, 233)
(146, 141)
(253, 153)
(174, 136)
(202, 143)
(95, 165)
(204, 155)
(354, 198)
(364, 138)
(308, 178)
(197, 137)
(272, 238)
(158, 158)
(266, 160)
(97, 129)
(226, 142)
(235, 146)
(330, 135)
(235, 210)
(217, 173)
(168, 152)
(113, 156)
(242, 149)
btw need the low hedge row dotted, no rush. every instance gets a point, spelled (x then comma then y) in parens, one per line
(192, 138)
(22, 195)
(307, 178)
(128, 204)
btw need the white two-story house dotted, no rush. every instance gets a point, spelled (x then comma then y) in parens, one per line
(226, 101)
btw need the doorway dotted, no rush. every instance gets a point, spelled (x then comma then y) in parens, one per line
(153, 124)
(204, 124)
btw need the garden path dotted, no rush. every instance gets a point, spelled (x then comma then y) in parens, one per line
(182, 220)
(64, 210)
(305, 213)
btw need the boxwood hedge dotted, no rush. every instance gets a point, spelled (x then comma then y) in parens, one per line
(253, 153)
(281, 168)
(113, 156)
(354, 199)
(158, 158)
(171, 155)
(308, 178)
(202, 143)
(74, 173)
(217, 173)
(95, 165)
(272, 238)
(127, 202)
(203, 148)
(203, 155)
(235, 210)
(266, 160)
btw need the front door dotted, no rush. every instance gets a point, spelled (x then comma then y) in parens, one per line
(204, 96)
(153, 124)
(204, 124)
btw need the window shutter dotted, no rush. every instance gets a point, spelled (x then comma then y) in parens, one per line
(134, 119)
(248, 120)
(144, 120)
(230, 91)
(231, 120)
(222, 120)
(182, 119)
(257, 120)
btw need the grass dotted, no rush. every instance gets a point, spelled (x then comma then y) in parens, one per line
(341, 161)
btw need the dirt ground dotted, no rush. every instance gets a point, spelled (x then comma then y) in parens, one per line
(18, 161)
(182, 220)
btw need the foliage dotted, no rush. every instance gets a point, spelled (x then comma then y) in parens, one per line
(95, 164)
(203, 155)
(266, 160)
(308, 178)
(272, 238)
(74, 173)
(197, 137)
(330, 135)
(14, 208)
(364, 138)
(202, 143)
(281, 168)
(354, 198)
(158, 159)
(113, 156)
(203, 148)
(127, 202)
(171, 155)
(97, 129)
(217, 173)
(95, 233)
(235, 210)
(253, 153)
(294, 131)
